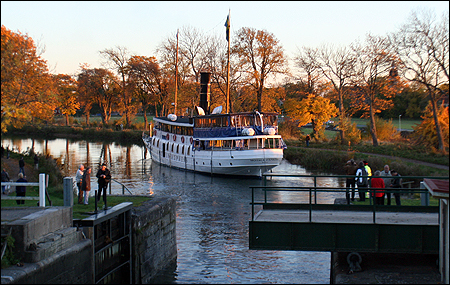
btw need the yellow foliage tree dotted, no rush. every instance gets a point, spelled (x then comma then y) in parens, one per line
(66, 92)
(27, 89)
(426, 134)
(312, 109)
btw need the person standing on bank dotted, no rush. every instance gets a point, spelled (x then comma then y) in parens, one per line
(22, 166)
(104, 177)
(387, 182)
(36, 162)
(79, 180)
(86, 185)
(21, 190)
(5, 178)
(376, 183)
(350, 169)
(396, 183)
(361, 181)
(307, 139)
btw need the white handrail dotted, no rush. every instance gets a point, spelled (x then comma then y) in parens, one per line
(41, 185)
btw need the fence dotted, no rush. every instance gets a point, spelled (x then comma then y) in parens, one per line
(41, 185)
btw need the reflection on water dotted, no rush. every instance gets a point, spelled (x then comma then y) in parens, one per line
(213, 213)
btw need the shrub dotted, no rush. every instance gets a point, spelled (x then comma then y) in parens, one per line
(352, 134)
(289, 129)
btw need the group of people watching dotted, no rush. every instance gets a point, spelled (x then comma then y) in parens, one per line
(83, 180)
(364, 180)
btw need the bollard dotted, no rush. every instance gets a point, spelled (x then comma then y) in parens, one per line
(42, 190)
(95, 199)
(424, 197)
(68, 191)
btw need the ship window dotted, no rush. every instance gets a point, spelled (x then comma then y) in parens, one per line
(178, 148)
(172, 147)
(182, 149)
(157, 143)
(188, 151)
(167, 148)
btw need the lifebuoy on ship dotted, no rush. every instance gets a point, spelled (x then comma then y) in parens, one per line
(192, 140)
(182, 139)
(174, 137)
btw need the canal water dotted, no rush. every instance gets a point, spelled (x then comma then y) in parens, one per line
(212, 215)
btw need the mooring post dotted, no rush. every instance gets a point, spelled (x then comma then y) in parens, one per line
(68, 191)
(42, 190)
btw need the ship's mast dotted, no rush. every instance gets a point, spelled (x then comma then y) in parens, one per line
(176, 77)
(228, 64)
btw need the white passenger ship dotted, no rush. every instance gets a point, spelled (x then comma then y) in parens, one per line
(243, 144)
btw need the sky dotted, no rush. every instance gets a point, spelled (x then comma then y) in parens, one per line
(73, 32)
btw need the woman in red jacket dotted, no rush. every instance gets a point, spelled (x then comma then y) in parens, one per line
(377, 182)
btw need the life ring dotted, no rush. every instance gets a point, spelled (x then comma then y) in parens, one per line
(192, 140)
(174, 137)
(182, 139)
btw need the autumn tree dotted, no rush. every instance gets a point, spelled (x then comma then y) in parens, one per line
(423, 47)
(374, 64)
(260, 55)
(425, 133)
(84, 89)
(65, 88)
(117, 59)
(337, 66)
(27, 89)
(145, 76)
(98, 85)
(314, 109)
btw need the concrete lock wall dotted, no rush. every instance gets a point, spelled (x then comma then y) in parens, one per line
(65, 257)
(154, 238)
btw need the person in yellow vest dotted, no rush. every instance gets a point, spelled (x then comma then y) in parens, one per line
(368, 169)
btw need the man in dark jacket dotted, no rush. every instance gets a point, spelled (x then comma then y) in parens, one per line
(5, 178)
(22, 166)
(350, 169)
(21, 190)
(396, 183)
(104, 177)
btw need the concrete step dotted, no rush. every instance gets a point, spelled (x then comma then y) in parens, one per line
(51, 244)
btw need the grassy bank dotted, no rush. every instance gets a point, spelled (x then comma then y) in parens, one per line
(55, 189)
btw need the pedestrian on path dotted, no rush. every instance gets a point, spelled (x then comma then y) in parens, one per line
(5, 178)
(22, 166)
(36, 162)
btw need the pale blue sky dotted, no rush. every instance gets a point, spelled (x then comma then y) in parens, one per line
(74, 32)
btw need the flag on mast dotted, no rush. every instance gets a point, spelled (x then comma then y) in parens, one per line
(227, 24)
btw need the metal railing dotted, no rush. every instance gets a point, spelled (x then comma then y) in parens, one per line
(314, 190)
(123, 187)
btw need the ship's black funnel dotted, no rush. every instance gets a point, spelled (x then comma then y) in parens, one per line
(205, 91)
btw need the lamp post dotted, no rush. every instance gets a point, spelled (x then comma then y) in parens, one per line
(400, 123)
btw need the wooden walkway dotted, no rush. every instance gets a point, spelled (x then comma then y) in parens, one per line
(351, 217)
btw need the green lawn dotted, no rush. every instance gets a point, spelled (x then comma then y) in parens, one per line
(406, 124)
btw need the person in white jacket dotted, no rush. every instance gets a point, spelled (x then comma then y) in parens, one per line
(78, 179)
(361, 181)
